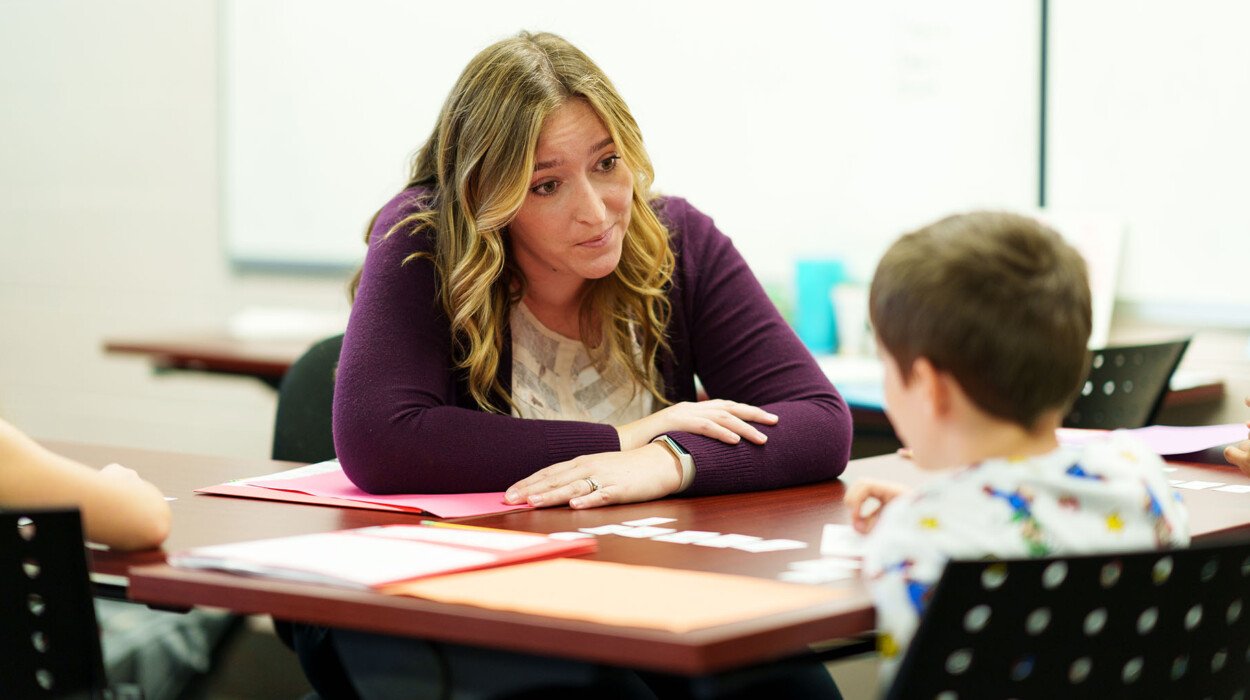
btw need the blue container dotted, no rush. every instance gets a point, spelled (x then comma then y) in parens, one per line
(814, 318)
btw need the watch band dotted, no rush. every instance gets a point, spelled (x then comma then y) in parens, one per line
(683, 458)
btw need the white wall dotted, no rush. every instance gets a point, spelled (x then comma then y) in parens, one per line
(109, 224)
(109, 227)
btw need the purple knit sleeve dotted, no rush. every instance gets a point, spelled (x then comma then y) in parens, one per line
(401, 423)
(742, 349)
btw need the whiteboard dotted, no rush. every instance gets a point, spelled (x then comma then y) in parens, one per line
(805, 128)
(1150, 122)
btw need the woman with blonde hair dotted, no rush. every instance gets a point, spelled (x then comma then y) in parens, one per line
(531, 318)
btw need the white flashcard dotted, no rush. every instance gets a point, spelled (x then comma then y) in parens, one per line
(642, 533)
(1234, 488)
(841, 540)
(687, 536)
(606, 529)
(727, 541)
(1169, 469)
(770, 545)
(815, 577)
(648, 522)
(570, 535)
(1198, 485)
(826, 564)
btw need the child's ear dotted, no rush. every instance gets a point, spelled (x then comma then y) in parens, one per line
(933, 387)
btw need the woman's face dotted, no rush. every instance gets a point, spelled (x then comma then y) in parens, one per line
(573, 221)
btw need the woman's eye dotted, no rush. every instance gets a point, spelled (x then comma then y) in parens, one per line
(545, 189)
(608, 164)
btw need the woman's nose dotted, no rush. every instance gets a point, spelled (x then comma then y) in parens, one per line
(591, 209)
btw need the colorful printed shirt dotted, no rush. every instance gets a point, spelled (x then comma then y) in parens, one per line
(1107, 495)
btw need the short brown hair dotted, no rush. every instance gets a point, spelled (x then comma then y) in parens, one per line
(998, 300)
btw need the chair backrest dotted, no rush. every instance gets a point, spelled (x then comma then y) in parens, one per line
(1163, 624)
(302, 429)
(50, 643)
(1126, 386)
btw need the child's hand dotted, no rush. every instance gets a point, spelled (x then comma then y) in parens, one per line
(1239, 455)
(866, 498)
(117, 471)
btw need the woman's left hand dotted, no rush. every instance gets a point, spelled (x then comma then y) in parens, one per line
(602, 479)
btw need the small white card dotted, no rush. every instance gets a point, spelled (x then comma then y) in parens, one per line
(1234, 488)
(687, 536)
(727, 541)
(1198, 485)
(770, 545)
(841, 540)
(826, 564)
(815, 577)
(570, 535)
(642, 533)
(648, 522)
(607, 529)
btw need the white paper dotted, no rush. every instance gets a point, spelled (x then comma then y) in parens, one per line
(826, 564)
(570, 535)
(727, 541)
(482, 539)
(841, 540)
(613, 529)
(770, 545)
(1234, 488)
(1197, 485)
(687, 536)
(647, 522)
(815, 577)
(642, 533)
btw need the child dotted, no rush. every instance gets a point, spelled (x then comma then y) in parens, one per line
(983, 322)
(118, 508)
(1239, 455)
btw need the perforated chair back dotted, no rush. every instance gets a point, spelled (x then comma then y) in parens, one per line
(50, 644)
(302, 428)
(1166, 624)
(1126, 386)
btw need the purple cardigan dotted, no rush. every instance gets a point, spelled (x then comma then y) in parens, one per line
(404, 421)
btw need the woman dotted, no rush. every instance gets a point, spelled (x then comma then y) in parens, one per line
(531, 318)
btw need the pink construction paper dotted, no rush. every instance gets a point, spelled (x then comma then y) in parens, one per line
(443, 505)
(1171, 440)
(1168, 439)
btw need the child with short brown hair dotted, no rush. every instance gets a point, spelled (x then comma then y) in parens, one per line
(982, 321)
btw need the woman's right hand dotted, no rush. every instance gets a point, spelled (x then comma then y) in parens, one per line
(727, 421)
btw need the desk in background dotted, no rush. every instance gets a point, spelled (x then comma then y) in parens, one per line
(795, 513)
(858, 378)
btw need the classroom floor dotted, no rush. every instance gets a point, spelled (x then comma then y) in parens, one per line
(253, 664)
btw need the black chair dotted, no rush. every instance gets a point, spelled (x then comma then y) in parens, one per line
(302, 428)
(1164, 624)
(50, 646)
(301, 431)
(1126, 386)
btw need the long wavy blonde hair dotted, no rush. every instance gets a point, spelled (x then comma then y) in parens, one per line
(477, 166)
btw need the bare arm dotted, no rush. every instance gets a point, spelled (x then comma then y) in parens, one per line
(1239, 455)
(118, 508)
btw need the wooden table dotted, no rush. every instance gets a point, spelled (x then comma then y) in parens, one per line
(266, 360)
(796, 513)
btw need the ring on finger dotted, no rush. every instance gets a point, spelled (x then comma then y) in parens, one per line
(594, 485)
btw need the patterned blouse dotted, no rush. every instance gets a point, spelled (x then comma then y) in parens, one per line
(1103, 496)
